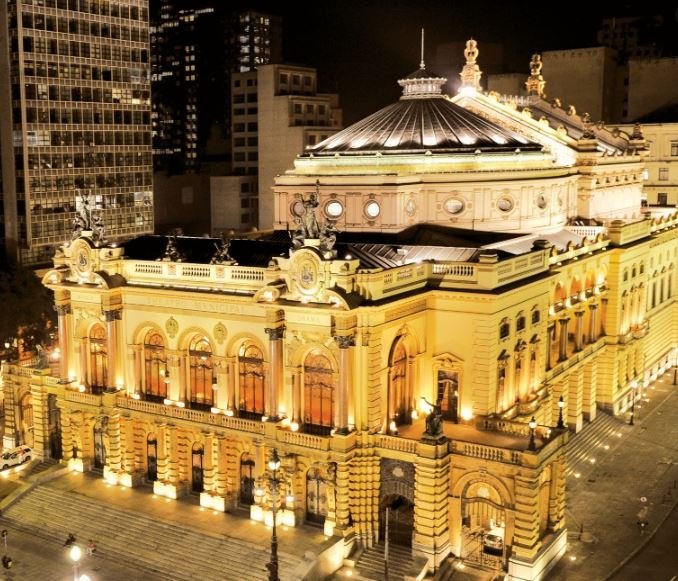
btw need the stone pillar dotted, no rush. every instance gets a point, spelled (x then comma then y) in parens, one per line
(525, 542)
(603, 316)
(345, 342)
(579, 330)
(431, 503)
(557, 492)
(112, 317)
(11, 433)
(575, 396)
(39, 397)
(84, 360)
(550, 337)
(135, 356)
(562, 349)
(274, 384)
(296, 395)
(174, 369)
(231, 382)
(63, 319)
(594, 325)
(589, 407)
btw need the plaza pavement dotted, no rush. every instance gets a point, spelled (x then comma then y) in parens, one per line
(631, 477)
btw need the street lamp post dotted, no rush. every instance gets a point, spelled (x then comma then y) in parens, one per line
(273, 466)
(561, 405)
(634, 385)
(532, 446)
(75, 553)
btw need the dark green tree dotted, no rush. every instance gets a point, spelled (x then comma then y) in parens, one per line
(26, 308)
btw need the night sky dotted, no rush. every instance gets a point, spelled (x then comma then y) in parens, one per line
(362, 47)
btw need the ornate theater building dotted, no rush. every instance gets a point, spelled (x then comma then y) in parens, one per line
(454, 285)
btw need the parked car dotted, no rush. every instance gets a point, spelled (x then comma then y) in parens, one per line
(15, 456)
(493, 542)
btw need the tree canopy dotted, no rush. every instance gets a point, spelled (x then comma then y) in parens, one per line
(26, 306)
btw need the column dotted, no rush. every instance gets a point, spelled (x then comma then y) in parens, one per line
(593, 329)
(296, 394)
(84, 352)
(135, 358)
(603, 316)
(562, 350)
(550, 336)
(431, 503)
(64, 340)
(275, 337)
(579, 330)
(345, 342)
(112, 348)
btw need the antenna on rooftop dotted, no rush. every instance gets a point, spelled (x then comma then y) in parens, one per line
(421, 64)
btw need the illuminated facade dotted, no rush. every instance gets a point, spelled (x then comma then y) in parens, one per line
(75, 121)
(407, 363)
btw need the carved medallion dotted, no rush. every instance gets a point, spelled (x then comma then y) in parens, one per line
(172, 327)
(219, 333)
(81, 259)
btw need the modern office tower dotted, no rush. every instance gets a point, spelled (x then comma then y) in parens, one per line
(75, 122)
(194, 50)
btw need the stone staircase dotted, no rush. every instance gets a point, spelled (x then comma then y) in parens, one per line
(368, 564)
(586, 447)
(174, 552)
(453, 570)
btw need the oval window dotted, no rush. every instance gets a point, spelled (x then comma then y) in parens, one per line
(505, 204)
(453, 206)
(372, 209)
(297, 208)
(411, 207)
(334, 208)
(541, 201)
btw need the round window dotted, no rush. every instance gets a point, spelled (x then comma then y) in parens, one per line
(372, 209)
(334, 208)
(454, 206)
(297, 208)
(541, 201)
(505, 204)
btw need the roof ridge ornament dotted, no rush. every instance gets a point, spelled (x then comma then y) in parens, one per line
(422, 64)
(471, 73)
(535, 82)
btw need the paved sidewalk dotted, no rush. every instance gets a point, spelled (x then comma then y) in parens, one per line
(633, 480)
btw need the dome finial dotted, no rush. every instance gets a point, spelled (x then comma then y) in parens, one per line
(535, 82)
(470, 74)
(421, 64)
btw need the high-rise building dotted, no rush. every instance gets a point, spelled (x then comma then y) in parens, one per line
(75, 122)
(194, 50)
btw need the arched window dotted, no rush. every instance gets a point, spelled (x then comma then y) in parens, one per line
(448, 394)
(400, 399)
(318, 394)
(155, 366)
(504, 329)
(520, 322)
(251, 372)
(535, 315)
(98, 359)
(200, 375)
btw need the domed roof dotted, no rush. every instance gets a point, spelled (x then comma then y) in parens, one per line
(423, 120)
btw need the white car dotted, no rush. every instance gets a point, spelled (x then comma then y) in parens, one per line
(493, 542)
(15, 456)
